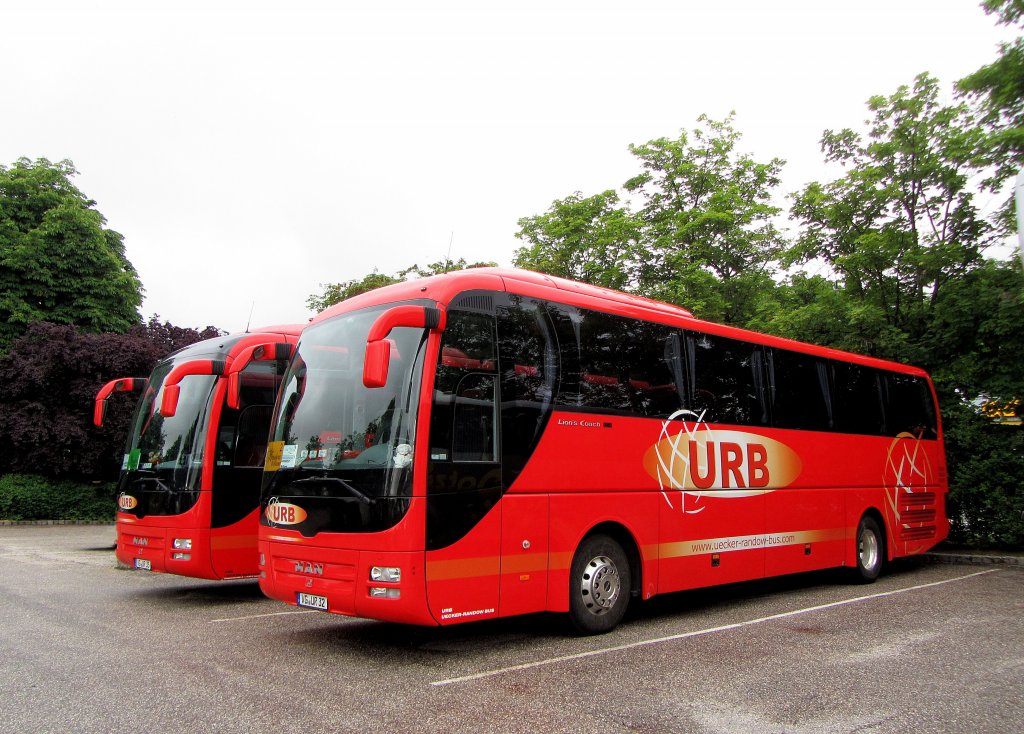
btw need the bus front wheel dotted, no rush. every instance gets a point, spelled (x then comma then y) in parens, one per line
(870, 550)
(599, 585)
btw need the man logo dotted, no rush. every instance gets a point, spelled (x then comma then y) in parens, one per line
(314, 569)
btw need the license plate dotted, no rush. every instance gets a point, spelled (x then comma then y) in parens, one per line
(313, 601)
(144, 564)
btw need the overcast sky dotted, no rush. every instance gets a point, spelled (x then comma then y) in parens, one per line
(250, 151)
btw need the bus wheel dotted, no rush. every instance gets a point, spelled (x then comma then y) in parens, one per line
(599, 585)
(870, 550)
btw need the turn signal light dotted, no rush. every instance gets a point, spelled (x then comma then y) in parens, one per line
(381, 592)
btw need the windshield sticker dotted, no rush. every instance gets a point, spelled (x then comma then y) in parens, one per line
(289, 455)
(133, 459)
(274, 449)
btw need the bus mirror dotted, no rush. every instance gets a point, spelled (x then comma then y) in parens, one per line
(378, 347)
(376, 363)
(169, 402)
(121, 384)
(256, 353)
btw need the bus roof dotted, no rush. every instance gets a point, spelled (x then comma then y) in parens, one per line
(445, 287)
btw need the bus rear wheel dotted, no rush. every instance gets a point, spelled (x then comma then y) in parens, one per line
(870, 550)
(599, 585)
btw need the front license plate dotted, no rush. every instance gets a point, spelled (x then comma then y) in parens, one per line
(143, 564)
(313, 601)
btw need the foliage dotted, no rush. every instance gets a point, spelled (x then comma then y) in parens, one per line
(590, 239)
(703, 237)
(48, 381)
(333, 293)
(58, 262)
(32, 497)
(338, 292)
(706, 221)
(986, 461)
(902, 222)
(999, 89)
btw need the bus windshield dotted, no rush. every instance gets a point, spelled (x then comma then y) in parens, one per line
(339, 450)
(164, 455)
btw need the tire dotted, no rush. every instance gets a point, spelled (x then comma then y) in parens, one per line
(599, 585)
(870, 550)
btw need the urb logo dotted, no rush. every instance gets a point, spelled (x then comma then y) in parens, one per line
(283, 513)
(126, 502)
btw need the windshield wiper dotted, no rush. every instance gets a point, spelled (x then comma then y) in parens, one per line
(354, 491)
(155, 480)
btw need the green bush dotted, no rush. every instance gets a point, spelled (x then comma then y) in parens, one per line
(31, 497)
(986, 463)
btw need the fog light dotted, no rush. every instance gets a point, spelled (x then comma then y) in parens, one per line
(182, 543)
(388, 574)
(381, 592)
(263, 575)
(181, 556)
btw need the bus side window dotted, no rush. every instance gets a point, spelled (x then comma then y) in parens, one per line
(242, 440)
(857, 399)
(463, 424)
(908, 406)
(799, 391)
(251, 438)
(728, 380)
(529, 368)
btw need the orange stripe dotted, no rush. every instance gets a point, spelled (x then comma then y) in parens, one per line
(232, 542)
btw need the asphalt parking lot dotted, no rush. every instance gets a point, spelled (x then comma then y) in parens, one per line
(88, 647)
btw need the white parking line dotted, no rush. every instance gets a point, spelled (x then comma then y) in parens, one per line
(261, 616)
(697, 633)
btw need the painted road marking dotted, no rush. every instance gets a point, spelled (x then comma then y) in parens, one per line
(698, 633)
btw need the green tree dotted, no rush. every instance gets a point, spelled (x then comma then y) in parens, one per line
(58, 262)
(707, 221)
(333, 293)
(902, 223)
(703, 236)
(337, 292)
(591, 239)
(999, 89)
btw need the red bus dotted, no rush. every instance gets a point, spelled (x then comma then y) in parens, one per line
(190, 478)
(494, 442)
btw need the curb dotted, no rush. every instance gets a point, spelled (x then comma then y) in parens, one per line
(12, 523)
(974, 559)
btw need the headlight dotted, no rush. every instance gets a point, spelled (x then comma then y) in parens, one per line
(387, 574)
(182, 544)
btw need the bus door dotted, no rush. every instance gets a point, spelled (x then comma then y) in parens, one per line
(238, 470)
(463, 531)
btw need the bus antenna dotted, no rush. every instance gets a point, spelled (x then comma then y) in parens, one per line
(448, 258)
(249, 322)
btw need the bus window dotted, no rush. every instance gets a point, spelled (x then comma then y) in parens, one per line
(857, 399)
(799, 391)
(528, 378)
(624, 366)
(728, 380)
(463, 425)
(909, 407)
